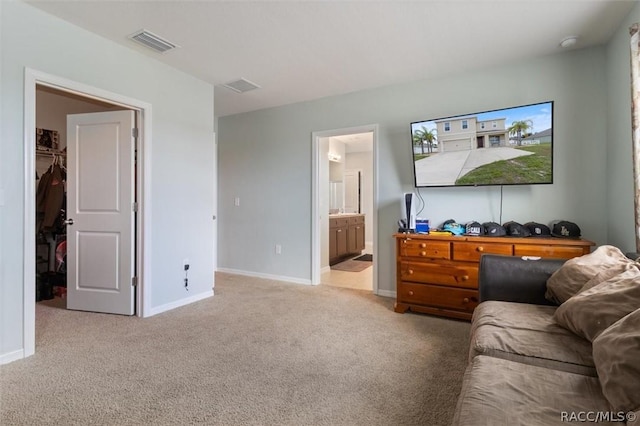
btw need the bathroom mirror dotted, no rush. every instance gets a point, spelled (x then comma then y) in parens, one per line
(336, 197)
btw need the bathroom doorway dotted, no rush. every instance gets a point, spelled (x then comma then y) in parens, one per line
(345, 229)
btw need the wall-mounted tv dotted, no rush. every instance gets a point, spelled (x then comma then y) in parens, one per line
(508, 146)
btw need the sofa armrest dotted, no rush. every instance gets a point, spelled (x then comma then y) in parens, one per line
(515, 279)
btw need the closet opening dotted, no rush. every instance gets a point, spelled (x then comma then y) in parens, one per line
(53, 107)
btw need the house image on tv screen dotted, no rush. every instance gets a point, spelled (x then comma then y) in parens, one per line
(468, 133)
(538, 138)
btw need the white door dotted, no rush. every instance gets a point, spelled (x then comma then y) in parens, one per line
(352, 191)
(100, 225)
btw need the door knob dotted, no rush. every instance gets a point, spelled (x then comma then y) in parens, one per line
(68, 221)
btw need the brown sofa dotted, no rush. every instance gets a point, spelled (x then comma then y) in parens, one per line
(527, 366)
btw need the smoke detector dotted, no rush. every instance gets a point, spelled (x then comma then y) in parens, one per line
(240, 86)
(152, 41)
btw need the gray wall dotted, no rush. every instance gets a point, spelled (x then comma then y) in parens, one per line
(181, 157)
(619, 179)
(265, 158)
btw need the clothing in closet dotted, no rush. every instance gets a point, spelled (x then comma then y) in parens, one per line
(50, 198)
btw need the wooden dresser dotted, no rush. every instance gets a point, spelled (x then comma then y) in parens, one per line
(438, 274)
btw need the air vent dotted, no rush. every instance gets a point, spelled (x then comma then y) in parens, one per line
(152, 41)
(241, 86)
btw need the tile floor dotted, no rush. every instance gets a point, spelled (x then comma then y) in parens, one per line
(355, 280)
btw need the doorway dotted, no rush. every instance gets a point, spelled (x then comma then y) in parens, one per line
(34, 81)
(344, 203)
(57, 183)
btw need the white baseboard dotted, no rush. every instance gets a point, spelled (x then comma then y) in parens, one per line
(182, 302)
(11, 356)
(368, 246)
(325, 269)
(387, 293)
(265, 276)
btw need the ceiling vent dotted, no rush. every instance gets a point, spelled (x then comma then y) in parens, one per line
(152, 41)
(241, 86)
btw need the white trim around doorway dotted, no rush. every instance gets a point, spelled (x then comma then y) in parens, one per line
(317, 215)
(143, 237)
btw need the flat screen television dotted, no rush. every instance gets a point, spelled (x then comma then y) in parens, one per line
(508, 146)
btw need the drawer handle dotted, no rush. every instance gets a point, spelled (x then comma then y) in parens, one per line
(423, 245)
(410, 271)
(410, 292)
(465, 300)
(423, 253)
(480, 249)
(339, 230)
(464, 277)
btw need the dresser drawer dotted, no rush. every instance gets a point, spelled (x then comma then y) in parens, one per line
(443, 297)
(465, 276)
(557, 252)
(425, 249)
(473, 251)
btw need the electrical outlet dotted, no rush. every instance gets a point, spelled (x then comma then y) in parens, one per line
(186, 265)
(237, 201)
(278, 249)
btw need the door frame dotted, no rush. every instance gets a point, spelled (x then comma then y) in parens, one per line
(143, 111)
(317, 215)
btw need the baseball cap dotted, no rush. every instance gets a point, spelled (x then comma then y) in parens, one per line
(493, 229)
(538, 229)
(453, 227)
(565, 229)
(474, 228)
(516, 229)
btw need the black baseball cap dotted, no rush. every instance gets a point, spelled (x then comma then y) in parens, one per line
(516, 229)
(474, 228)
(565, 229)
(538, 229)
(493, 229)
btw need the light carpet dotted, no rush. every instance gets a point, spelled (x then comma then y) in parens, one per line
(259, 352)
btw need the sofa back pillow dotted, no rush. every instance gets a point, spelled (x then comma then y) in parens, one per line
(575, 273)
(616, 354)
(591, 312)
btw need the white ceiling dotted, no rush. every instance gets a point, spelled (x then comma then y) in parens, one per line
(356, 142)
(303, 50)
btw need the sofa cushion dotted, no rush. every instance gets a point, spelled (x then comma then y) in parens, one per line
(589, 313)
(528, 334)
(497, 392)
(574, 274)
(616, 354)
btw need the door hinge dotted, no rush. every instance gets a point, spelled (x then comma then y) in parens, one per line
(134, 281)
(134, 132)
(134, 207)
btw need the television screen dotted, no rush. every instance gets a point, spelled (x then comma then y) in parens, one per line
(509, 146)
